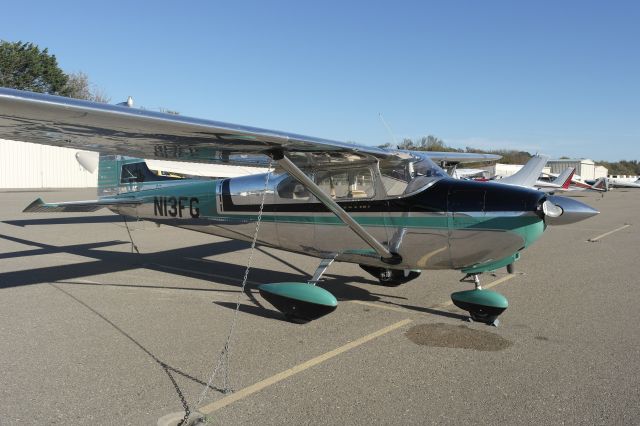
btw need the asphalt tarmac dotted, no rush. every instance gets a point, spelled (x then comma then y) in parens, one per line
(95, 334)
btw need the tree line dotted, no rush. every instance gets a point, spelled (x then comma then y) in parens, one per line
(509, 156)
(433, 143)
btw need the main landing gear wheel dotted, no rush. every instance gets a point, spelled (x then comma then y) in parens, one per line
(295, 319)
(391, 277)
(479, 315)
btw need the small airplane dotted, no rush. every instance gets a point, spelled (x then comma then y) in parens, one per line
(575, 184)
(529, 176)
(623, 182)
(393, 212)
(562, 182)
(526, 176)
(601, 185)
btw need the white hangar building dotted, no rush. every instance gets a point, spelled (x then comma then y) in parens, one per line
(29, 165)
(585, 167)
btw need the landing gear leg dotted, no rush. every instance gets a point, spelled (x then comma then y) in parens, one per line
(483, 305)
(474, 278)
(322, 268)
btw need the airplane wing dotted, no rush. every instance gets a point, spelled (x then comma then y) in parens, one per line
(460, 157)
(78, 206)
(113, 129)
(467, 173)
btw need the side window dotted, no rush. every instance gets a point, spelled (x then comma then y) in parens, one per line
(132, 173)
(346, 184)
(291, 189)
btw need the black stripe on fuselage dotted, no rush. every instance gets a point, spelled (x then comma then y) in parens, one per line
(444, 195)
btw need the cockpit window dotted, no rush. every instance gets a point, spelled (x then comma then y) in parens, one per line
(395, 177)
(426, 167)
(346, 184)
(408, 176)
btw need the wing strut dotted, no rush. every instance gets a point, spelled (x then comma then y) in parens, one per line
(385, 255)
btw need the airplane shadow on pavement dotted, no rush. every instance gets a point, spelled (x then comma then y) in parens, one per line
(177, 261)
(181, 262)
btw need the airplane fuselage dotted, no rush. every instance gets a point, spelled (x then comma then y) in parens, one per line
(450, 224)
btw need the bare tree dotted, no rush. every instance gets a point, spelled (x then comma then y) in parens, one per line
(78, 87)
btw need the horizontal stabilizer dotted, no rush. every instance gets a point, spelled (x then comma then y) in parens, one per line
(76, 206)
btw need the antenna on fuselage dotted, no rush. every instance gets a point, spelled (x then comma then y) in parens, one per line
(127, 103)
(395, 142)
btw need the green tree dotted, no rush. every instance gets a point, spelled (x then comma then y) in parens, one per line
(509, 156)
(24, 66)
(623, 167)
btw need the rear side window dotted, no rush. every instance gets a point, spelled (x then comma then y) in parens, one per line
(346, 184)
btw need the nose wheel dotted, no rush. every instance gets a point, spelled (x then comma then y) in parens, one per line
(483, 305)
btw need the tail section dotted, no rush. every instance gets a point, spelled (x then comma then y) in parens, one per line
(564, 179)
(528, 174)
(118, 174)
(601, 184)
(109, 175)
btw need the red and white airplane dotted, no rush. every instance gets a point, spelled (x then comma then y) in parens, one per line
(562, 182)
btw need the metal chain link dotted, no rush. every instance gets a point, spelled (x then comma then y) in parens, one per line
(225, 355)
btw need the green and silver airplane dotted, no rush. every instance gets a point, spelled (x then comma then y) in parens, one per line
(393, 212)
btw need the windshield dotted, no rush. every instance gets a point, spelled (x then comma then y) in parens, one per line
(426, 167)
(410, 175)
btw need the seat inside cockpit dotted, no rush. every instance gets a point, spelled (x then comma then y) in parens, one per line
(395, 178)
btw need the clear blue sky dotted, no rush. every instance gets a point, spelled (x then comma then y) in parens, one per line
(556, 77)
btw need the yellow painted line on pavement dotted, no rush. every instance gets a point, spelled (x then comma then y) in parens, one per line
(592, 240)
(257, 387)
(422, 262)
(438, 306)
(378, 305)
(499, 281)
(249, 390)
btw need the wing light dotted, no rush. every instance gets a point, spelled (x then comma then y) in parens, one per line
(88, 160)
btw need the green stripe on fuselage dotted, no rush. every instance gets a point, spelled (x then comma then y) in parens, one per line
(528, 226)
